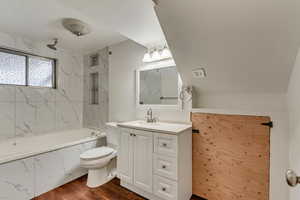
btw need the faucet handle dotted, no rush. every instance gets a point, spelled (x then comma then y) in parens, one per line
(149, 111)
(155, 119)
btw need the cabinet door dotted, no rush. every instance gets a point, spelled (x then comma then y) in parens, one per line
(125, 157)
(143, 148)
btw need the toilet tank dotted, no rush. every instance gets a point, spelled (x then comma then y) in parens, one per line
(112, 135)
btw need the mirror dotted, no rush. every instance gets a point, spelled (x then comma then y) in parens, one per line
(158, 85)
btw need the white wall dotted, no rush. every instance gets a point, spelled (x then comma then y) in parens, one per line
(125, 59)
(294, 118)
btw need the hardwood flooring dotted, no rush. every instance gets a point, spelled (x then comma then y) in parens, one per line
(77, 190)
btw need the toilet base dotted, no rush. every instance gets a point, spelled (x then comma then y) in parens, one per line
(97, 177)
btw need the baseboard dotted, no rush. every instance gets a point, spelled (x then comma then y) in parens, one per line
(197, 197)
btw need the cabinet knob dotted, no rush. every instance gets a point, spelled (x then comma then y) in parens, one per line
(163, 189)
(164, 144)
(164, 166)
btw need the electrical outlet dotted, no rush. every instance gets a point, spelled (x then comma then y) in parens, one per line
(199, 73)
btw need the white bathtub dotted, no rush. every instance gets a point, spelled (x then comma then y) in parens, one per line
(31, 166)
(23, 147)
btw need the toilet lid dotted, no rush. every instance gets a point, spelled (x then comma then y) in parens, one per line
(96, 153)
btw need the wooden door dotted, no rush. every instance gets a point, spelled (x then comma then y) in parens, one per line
(125, 157)
(143, 149)
(231, 157)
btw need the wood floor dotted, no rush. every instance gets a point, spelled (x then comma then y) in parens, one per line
(77, 190)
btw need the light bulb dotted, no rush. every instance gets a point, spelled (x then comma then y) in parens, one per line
(166, 53)
(155, 56)
(147, 57)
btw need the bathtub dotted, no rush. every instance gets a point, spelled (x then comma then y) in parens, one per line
(31, 166)
(23, 147)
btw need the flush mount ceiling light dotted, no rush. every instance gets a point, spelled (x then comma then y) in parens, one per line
(157, 55)
(75, 26)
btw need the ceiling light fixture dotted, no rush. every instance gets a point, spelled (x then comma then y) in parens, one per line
(75, 26)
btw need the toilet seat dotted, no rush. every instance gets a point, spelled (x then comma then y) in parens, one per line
(96, 153)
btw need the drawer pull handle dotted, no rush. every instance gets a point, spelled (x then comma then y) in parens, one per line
(164, 166)
(164, 144)
(163, 189)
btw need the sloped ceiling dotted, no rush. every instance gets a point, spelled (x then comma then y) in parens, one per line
(245, 46)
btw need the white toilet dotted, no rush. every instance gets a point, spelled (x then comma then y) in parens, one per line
(101, 161)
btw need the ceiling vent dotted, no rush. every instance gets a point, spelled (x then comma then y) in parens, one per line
(75, 26)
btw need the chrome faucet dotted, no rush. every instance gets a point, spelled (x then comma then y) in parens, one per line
(149, 117)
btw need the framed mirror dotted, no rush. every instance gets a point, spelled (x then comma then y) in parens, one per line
(158, 86)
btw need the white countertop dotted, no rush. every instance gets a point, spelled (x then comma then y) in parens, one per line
(162, 127)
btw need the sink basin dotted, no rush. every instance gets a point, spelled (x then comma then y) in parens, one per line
(144, 123)
(165, 127)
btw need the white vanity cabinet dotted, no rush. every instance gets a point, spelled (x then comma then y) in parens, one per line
(134, 167)
(156, 165)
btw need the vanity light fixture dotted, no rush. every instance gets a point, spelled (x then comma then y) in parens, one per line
(157, 55)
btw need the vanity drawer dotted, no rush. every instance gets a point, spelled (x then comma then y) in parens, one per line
(165, 144)
(165, 166)
(165, 188)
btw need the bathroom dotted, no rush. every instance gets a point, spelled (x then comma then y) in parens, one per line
(150, 99)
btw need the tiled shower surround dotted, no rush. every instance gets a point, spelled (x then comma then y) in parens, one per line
(31, 111)
(28, 111)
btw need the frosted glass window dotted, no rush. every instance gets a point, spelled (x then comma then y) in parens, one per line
(20, 68)
(12, 69)
(40, 72)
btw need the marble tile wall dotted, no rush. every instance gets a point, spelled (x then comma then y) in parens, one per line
(95, 116)
(31, 177)
(27, 111)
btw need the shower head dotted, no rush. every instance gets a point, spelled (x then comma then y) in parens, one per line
(53, 46)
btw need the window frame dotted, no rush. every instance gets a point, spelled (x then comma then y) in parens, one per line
(27, 55)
